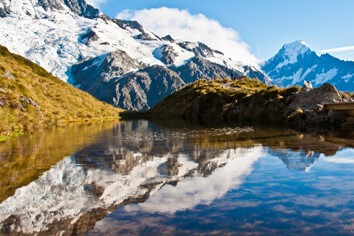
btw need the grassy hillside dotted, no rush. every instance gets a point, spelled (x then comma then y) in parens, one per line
(249, 101)
(224, 100)
(31, 98)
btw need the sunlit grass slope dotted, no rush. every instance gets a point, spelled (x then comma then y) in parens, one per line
(31, 98)
(219, 101)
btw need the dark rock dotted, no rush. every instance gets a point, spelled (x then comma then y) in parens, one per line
(109, 78)
(200, 68)
(199, 49)
(124, 24)
(11, 224)
(143, 89)
(166, 54)
(168, 38)
(50, 4)
(144, 36)
(91, 73)
(4, 11)
(81, 8)
(88, 37)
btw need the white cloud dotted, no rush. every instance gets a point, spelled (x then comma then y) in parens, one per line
(344, 53)
(181, 24)
(340, 49)
(96, 3)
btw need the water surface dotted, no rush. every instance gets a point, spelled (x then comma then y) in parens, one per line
(140, 178)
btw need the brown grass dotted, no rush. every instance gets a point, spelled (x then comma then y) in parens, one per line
(24, 84)
(224, 101)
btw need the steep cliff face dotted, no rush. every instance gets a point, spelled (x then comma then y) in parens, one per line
(138, 90)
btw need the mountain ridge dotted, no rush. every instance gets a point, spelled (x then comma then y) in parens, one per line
(67, 39)
(296, 62)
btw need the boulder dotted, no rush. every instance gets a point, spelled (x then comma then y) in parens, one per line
(312, 99)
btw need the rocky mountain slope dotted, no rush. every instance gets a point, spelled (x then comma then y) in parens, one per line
(114, 60)
(30, 97)
(296, 62)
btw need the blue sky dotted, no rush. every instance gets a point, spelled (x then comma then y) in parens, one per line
(265, 25)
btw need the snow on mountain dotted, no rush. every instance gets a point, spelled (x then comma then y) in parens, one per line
(63, 34)
(296, 62)
(291, 51)
(32, 9)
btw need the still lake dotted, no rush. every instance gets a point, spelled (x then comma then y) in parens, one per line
(145, 178)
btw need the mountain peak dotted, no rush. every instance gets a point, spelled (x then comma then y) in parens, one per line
(42, 8)
(289, 54)
(295, 48)
(296, 62)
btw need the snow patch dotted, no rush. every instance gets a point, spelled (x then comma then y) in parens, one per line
(324, 77)
(347, 77)
(291, 52)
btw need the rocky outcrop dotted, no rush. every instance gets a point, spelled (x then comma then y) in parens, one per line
(134, 25)
(78, 7)
(199, 49)
(81, 8)
(144, 88)
(313, 99)
(91, 75)
(137, 90)
(166, 54)
(4, 11)
(51, 4)
(198, 68)
(125, 24)
(88, 37)
(168, 38)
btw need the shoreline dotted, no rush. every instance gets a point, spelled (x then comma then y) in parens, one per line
(249, 102)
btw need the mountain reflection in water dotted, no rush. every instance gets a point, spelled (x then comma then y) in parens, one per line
(157, 174)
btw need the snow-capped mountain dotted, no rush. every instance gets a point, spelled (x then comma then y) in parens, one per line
(115, 60)
(296, 62)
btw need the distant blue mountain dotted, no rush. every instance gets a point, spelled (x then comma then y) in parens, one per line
(296, 62)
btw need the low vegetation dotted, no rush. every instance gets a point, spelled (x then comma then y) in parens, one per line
(224, 100)
(248, 101)
(31, 98)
